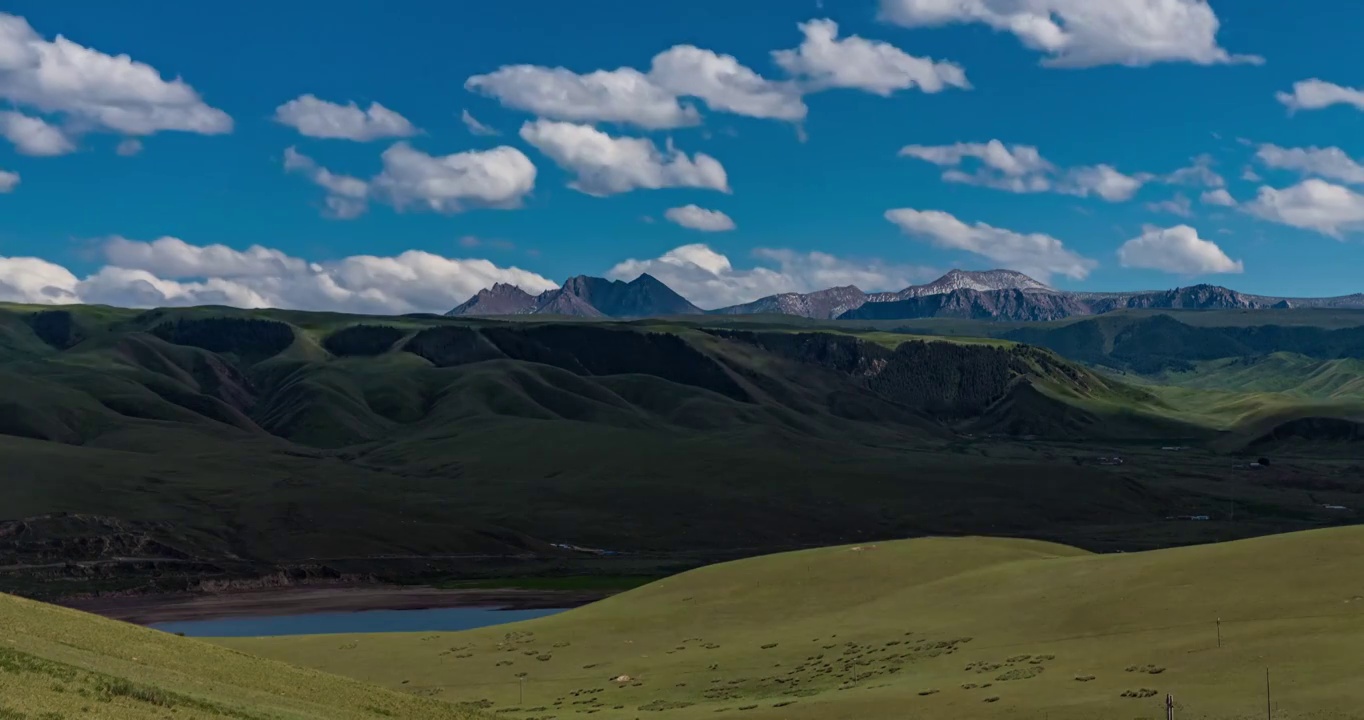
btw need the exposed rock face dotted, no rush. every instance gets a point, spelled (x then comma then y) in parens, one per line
(984, 281)
(821, 305)
(836, 302)
(500, 299)
(645, 296)
(1036, 305)
(558, 302)
(1017, 305)
(1196, 297)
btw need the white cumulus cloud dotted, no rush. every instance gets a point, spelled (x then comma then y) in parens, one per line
(606, 165)
(33, 135)
(1022, 169)
(1315, 94)
(1331, 162)
(1086, 33)
(1035, 254)
(347, 197)
(824, 60)
(175, 258)
(317, 118)
(1177, 250)
(725, 84)
(129, 147)
(170, 272)
(475, 127)
(1016, 160)
(1179, 205)
(31, 280)
(1312, 205)
(94, 91)
(8, 181)
(624, 95)
(1220, 197)
(663, 96)
(1101, 180)
(496, 178)
(699, 218)
(1200, 173)
(710, 280)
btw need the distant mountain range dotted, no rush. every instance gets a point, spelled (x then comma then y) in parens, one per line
(583, 296)
(987, 295)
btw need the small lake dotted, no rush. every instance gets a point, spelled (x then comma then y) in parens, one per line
(365, 621)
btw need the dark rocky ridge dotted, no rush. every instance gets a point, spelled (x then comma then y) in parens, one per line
(1037, 305)
(835, 302)
(500, 299)
(823, 304)
(975, 304)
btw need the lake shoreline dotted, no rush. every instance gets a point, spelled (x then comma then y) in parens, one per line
(182, 607)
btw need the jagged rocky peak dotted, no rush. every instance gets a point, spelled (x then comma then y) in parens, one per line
(500, 299)
(645, 296)
(561, 302)
(984, 280)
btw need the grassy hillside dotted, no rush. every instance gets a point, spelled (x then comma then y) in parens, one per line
(1160, 343)
(58, 663)
(1244, 373)
(1279, 372)
(941, 628)
(163, 447)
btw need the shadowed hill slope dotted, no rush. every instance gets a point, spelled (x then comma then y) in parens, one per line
(59, 663)
(229, 443)
(1002, 389)
(942, 628)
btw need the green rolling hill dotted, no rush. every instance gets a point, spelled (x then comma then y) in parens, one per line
(1279, 372)
(942, 628)
(59, 663)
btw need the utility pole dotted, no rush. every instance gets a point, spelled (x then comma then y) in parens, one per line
(1219, 632)
(521, 694)
(1269, 708)
(1169, 707)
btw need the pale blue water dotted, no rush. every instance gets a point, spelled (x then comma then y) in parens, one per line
(367, 621)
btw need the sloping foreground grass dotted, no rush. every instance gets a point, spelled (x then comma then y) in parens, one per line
(57, 663)
(933, 628)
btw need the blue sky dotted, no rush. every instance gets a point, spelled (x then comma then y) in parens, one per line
(224, 196)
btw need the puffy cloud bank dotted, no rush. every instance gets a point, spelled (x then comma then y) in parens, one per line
(171, 272)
